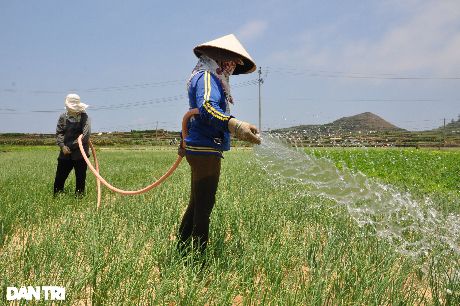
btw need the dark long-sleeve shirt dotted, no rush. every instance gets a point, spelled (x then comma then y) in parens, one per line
(68, 129)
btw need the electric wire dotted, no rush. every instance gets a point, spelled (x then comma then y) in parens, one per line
(297, 71)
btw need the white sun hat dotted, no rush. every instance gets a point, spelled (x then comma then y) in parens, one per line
(228, 47)
(73, 104)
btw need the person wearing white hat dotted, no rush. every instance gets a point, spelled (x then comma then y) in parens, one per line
(72, 124)
(209, 132)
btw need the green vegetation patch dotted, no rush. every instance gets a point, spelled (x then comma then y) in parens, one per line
(267, 244)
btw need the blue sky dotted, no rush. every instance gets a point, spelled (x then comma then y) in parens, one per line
(129, 60)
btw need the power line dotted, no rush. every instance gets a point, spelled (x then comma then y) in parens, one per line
(115, 88)
(354, 75)
(98, 89)
(294, 71)
(366, 99)
(128, 105)
(139, 103)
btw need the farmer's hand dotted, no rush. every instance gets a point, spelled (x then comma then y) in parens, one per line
(244, 131)
(66, 150)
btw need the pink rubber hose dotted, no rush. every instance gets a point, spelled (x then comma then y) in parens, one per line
(100, 179)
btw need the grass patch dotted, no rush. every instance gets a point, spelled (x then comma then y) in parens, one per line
(267, 245)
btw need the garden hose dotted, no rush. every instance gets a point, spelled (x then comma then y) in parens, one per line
(100, 179)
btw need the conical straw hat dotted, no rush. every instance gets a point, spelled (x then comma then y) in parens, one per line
(227, 47)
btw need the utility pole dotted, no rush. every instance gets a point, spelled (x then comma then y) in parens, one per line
(444, 133)
(261, 81)
(156, 131)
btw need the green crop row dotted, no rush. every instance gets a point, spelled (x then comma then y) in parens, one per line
(268, 244)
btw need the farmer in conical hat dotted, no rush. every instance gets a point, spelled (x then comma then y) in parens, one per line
(70, 125)
(209, 132)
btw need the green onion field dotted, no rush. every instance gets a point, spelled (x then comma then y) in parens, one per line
(271, 243)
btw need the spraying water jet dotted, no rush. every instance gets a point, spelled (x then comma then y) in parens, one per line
(414, 227)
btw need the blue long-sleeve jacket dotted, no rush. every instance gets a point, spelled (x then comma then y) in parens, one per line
(208, 133)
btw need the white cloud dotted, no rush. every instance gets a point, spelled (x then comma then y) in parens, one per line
(427, 40)
(421, 43)
(252, 30)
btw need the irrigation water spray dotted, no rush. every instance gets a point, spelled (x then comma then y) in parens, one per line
(413, 227)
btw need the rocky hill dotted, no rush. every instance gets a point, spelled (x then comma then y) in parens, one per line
(362, 123)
